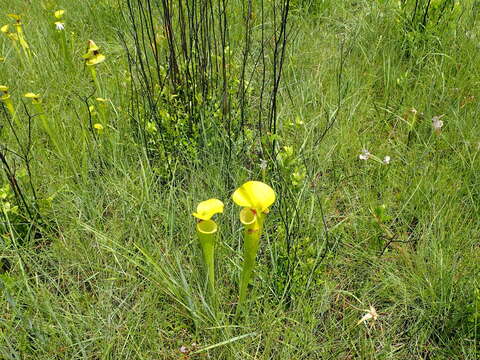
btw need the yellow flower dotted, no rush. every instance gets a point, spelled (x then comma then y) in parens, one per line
(93, 56)
(13, 36)
(14, 17)
(35, 97)
(206, 209)
(3, 88)
(98, 127)
(254, 195)
(4, 29)
(97, 59)
(59, 14)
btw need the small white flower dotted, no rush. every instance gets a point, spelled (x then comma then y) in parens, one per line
(263, 164)
(184, 349)
(59, 25)
(370, 315)
(437, 123)
(386, 160)
(365, 155)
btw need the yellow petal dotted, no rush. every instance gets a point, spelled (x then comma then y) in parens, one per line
(255, 195)
(14, 16)
(31, 95)
(92, 46)
(96, 59)
(4, 29)
(92, 50)
(59, 13)
(207, 227)
(98, 126)
(3, 88)
(206, 209)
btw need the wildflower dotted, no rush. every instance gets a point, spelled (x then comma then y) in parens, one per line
(15, 17)
(370, 315)
(206, 209)
(255, 197)
(386, 160)
(365, 155)
(93, 55)
(59, 25)
(35, 97)
(437, 123)
(98, 127)
(59, 14)
(5, 98)
(12, 36)
(263, 164)
(92, 110)
(20, 35)
(206, 230)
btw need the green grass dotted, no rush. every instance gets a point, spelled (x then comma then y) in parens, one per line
(117, 272)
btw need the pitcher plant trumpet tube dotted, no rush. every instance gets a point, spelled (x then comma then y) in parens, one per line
(6, 99)
(93, 57)
(20, 34)
(206, 233)
(255, 197)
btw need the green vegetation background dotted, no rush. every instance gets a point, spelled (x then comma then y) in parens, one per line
(110, 278)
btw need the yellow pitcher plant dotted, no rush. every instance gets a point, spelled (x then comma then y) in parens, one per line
(37, 103)
(5, 29)
(61, 34)
(21, 36)
(5, 98)
(255, 197)
(206, 231)
(93, 57)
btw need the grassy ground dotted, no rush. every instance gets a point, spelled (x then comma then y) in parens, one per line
(117, 273)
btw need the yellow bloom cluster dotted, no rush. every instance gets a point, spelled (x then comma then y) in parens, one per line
(93, 55)
(255, 197)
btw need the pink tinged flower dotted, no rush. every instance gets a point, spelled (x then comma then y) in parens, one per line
(437, 123)
(365, 155)
(263, 164)
(370, 315)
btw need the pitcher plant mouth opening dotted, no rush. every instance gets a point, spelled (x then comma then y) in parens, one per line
(248, 216)
(207, 227)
